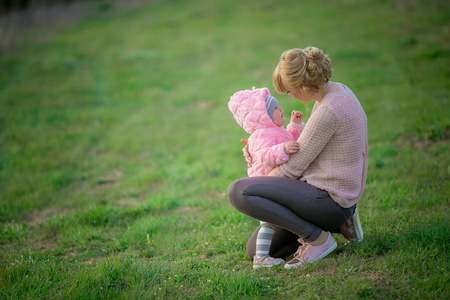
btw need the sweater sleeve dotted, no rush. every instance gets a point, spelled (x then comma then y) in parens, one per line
(318, 131)
(266, 151)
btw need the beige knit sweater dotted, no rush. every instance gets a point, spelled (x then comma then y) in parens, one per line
(333, 148)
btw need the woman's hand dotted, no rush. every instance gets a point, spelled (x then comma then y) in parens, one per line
(291, 147)
(247, 156)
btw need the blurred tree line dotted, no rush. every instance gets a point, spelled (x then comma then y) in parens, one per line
(15, 5)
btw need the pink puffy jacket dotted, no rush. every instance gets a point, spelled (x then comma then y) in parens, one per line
(266, 141)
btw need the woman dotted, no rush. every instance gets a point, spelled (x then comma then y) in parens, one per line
(316, 191)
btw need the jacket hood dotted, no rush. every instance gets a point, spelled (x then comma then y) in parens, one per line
(249, 109)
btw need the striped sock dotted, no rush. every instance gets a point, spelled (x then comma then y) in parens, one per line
(264, 239)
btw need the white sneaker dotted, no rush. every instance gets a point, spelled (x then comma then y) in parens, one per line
(266, 261)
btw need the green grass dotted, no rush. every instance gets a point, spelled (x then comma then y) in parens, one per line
(117, 147)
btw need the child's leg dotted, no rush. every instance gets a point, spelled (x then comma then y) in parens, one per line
(263, 242)
(284, 243)
(264, 239)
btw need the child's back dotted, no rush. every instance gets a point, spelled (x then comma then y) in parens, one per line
(267, 138)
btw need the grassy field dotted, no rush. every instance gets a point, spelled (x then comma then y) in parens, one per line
(117, 147)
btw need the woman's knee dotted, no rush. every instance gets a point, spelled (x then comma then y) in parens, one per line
(235, 190)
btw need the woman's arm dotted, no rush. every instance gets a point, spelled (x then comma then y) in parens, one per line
(319, 129)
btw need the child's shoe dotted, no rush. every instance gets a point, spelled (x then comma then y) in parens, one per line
(266, 261)
(308, 253)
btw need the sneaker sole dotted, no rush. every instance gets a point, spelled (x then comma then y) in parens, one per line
(274, 265)
(294, 266)
(358, 228)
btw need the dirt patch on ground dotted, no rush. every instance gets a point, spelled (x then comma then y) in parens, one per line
(430, 136)
(130, 202)
(45, 245)
(38, 217)
(97, 259)
(109, 180)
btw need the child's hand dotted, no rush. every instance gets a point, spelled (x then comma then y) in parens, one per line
(296, 117)
(291, 147)
(247, 156)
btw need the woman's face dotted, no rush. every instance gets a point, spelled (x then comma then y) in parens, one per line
(301, 95)
(297, 93)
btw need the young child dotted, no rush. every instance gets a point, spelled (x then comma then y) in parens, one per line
(269, 145)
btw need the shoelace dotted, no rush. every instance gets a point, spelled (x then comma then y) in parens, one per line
(303, 249)
(267, 258)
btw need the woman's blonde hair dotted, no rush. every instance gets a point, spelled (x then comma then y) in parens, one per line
(308, 69)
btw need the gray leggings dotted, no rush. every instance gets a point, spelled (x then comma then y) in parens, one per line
(297, 208)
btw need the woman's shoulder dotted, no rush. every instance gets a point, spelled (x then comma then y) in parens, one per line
(337, 89)
(344, 104)
(339, 95)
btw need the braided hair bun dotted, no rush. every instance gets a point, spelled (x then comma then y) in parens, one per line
(308, 69)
